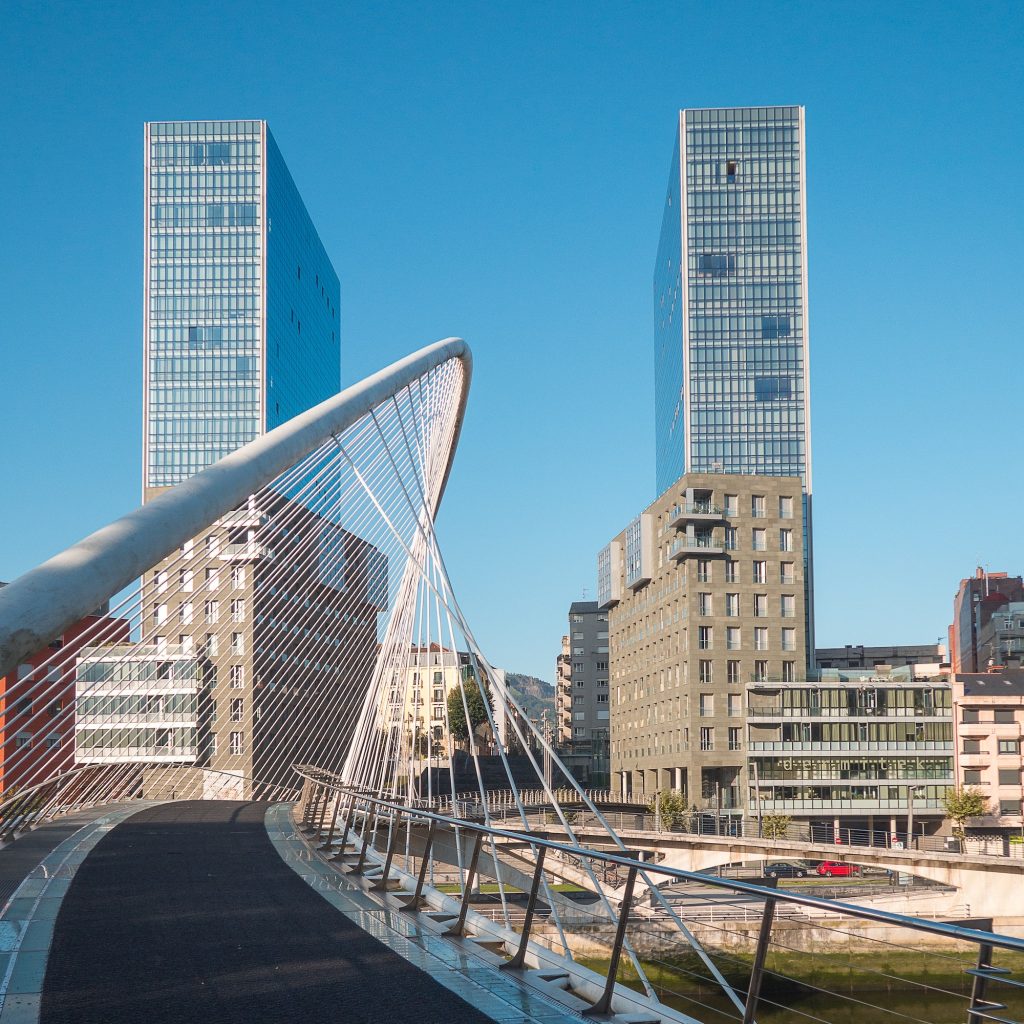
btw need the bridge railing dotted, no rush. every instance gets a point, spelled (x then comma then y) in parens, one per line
(764, 951)
(502, 805)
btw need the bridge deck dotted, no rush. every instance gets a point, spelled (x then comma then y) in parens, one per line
(186, 912)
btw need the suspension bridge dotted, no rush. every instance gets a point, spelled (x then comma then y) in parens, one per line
(253, 752)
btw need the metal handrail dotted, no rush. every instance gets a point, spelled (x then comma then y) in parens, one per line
(319, 777)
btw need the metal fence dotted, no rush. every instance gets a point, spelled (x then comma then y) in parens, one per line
(721, 949)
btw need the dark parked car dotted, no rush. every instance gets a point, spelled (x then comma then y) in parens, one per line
(783, 870)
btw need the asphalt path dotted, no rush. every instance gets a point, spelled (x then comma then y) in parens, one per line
(185, 913)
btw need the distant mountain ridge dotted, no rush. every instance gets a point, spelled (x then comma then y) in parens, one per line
(533, 694)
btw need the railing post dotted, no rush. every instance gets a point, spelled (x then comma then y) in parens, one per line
(349, 814)
(524, 939)
(459, 927)
(323, 811)
(396, 829)
(369, 828)
(980, 983)
(604, 1005)
(417, 897)
(325, 845)
(757, 968)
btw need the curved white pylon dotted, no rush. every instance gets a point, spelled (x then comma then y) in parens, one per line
(44, 602)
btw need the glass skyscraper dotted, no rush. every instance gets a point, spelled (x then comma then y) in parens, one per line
(730, 302)
(241, 311)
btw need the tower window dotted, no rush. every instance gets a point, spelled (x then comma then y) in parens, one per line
(730, 171)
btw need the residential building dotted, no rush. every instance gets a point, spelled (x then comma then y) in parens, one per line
(989, 714)
(248, 612)
(859, 656)
(584, 704)
(1001, 638)
(977, 598)
(705, 593)
(730, 304)
(241, 320)
(563, 694)
(37, 703)
(855, 749)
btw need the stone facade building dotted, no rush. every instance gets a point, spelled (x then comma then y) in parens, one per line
(705, 594)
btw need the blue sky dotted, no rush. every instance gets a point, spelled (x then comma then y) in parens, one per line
(496, 171)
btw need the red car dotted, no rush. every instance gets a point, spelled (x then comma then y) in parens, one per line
(828, 868)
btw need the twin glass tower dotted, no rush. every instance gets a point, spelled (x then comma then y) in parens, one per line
(730, 303)
(241, 309)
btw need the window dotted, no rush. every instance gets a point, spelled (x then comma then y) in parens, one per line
(55, 708)
(1004, 716)
(732, 673)
(707, 705)
(212, 579)
(185, 643)
(760, 606)
(1009, 746)
(735, 740)
(577, 636)
(1009, 776)
(970, 716)
(735, 705)
(785, 508)
(785, 540)
(237, 743)
(53, 740)
(732, 504)
(212, 548)
(212, 611)
(185, 579)
(731, 170)
(238, 610)
(579, 730)
(213, 711)
(732, 605)
(212, 645)
(23, 739)
(237, 677)
(771, 389)
(787, 572)
(160, 579)
(705, 604)
(788, 638)
(575, 618)
(716, 264)
(732, 638)
(579, 699)
(972, 747)
(732, 573)
(703, 570)
(186, 549)
(160, 613)
(760, 572)
(238, 643)
(732, 538)
(707, 737)
(706, 672)
(237, 707)
(775, 327)
(1009, 807)
(760, 638)
(760, 671)
(758, 506)
(788, 674)
(972, 776)
(238, 577)
(705, 638)
(185, 612)
(788, 603)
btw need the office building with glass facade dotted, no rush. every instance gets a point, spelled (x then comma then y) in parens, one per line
(730, 303)
(241, 306)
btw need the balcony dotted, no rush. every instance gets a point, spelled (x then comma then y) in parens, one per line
(242, 551)
(686, 547)
(851, 746)
(695, 512)
(845, 714)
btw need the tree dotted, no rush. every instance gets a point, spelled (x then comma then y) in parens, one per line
(775, 826)
(961, 804)
(474, 700)
(670, 805)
